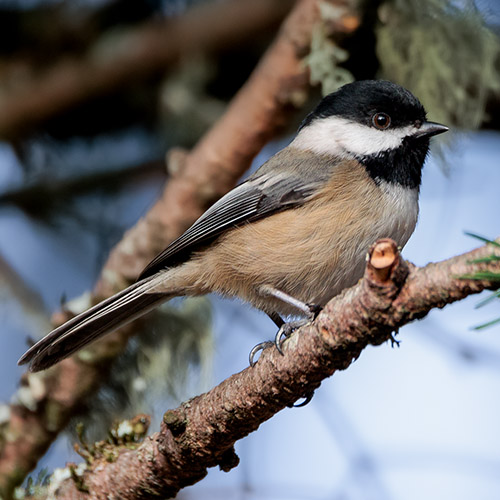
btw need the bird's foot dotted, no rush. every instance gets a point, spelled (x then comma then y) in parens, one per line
(286, 330)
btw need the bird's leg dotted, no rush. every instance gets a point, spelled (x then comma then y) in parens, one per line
(285, 328)
(310, 310)
(277, 319)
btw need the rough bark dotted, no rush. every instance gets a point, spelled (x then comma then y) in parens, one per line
(202, 431)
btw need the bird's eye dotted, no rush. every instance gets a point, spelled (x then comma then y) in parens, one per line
(381, 121)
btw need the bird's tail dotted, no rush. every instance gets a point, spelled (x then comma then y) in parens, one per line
(103, 318)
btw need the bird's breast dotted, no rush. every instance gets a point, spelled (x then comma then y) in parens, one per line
(313, 251)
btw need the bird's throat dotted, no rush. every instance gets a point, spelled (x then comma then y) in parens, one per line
(401, 166)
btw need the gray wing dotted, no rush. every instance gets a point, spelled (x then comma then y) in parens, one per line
(267, 191)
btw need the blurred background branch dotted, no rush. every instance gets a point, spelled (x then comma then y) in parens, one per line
(125, 57)
(31, 303)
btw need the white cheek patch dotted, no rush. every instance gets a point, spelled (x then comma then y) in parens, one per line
(345, 138)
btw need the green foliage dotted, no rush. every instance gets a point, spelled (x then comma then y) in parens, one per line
(486, 275)
(444, 53)
(487, 300)
(484, 240)
(488, 324)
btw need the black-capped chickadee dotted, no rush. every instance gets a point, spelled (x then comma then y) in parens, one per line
(296, 232)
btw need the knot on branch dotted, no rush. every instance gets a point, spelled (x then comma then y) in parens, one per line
(385, 274)
(176, 421)
(363, 314)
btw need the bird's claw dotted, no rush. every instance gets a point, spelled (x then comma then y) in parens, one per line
(393, 340)
(285, 330)
(283, 333)
(307, 399)
(259, 347)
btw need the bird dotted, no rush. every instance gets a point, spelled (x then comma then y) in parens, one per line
(295, 233)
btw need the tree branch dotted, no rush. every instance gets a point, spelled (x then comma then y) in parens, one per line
(202, 431)
(134, 55)
(47, 400)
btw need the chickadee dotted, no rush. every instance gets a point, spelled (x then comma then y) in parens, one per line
(296, 232)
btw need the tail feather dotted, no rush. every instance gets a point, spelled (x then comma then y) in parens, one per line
(100, 319)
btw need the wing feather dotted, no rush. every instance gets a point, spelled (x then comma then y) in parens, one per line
(265, 192)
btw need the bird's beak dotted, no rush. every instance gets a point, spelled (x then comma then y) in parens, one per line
(428, 129)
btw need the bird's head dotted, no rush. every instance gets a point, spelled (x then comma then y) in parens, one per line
(378, 123)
